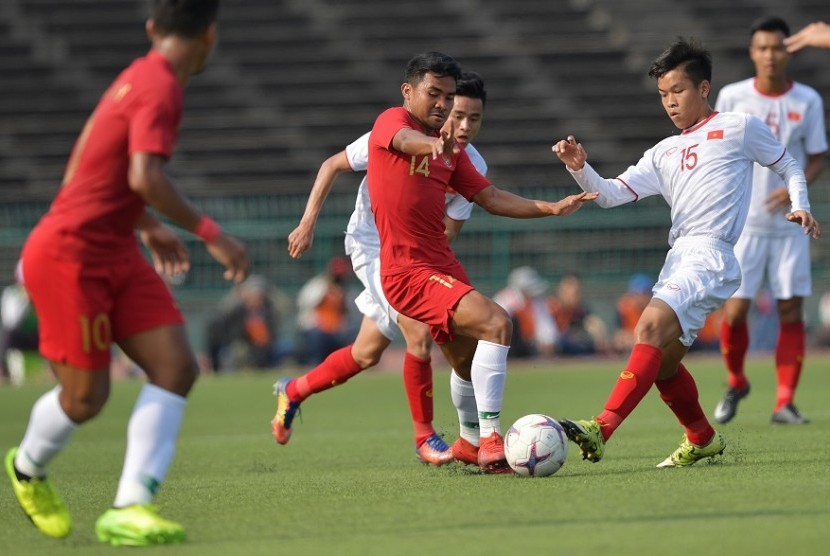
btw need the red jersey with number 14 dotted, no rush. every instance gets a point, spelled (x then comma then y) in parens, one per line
(407, 196)
(95, 212)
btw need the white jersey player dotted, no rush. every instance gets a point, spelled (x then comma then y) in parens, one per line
(771, 250)
(381, 322)
(704, 174)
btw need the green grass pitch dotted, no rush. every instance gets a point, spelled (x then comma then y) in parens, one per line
(348, 483)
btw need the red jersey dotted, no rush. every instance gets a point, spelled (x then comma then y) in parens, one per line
(95, 212)
(407, 197)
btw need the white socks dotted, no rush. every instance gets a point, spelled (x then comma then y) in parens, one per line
(46, 435)
(151, 443)
(489, 371)
(464, 398)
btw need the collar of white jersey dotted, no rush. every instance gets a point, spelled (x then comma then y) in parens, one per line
(701, 123)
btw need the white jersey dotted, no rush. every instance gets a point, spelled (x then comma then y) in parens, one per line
(796, 119)
(705, 176)
(362, 237)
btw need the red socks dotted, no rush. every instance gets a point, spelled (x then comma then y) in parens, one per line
(338, 367)
(679, 392)
(734, 342)
(417, 380)
(632, 386)
(789, 356)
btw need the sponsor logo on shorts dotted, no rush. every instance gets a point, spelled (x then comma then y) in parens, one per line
(625, 375)
(428, 393)
(445, 280)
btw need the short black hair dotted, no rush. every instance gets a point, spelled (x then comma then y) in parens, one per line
(186, 18)
(688, 54)
(470, 85)
(431, 62)
(770, 23)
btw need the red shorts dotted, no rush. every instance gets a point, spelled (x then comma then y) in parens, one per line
(82, 307)
(429, 295)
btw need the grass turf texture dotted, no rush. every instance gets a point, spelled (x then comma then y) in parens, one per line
(348, 483)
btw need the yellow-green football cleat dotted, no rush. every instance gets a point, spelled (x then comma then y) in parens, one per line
(41, 503)
(588, 436)
(689, 453)
(137, 525)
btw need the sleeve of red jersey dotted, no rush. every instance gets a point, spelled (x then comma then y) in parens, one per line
(466, 180)
(388, 124)
(155, 122)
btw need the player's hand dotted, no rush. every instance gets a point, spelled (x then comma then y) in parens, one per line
(571, 203)
(230, 253)
(300, 240)
(446, 146)
(571, 153)
(778, 200)
(808, 223)
(815, 34)
(170, 256)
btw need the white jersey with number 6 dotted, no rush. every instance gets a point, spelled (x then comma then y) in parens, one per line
(796, 119)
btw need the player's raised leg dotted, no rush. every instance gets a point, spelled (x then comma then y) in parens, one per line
(337, 368)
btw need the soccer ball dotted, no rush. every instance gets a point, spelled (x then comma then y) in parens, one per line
(536, 446)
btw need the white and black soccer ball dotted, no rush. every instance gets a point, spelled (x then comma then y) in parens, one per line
(536, 446)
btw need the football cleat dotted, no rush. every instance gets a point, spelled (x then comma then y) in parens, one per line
(491, 457)
(286, 410)
(588, 436)
(788, 415)
(434, 451)
(728, 406)
(39, 500)
(464, 451)
(137, 525)
(688, 453)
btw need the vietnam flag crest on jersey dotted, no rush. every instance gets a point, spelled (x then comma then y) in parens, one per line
(715, 134)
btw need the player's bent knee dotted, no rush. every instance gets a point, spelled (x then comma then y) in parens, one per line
(82, 408)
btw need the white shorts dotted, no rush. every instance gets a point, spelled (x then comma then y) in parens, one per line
(371, 302)
(784, 261)
(698, 276)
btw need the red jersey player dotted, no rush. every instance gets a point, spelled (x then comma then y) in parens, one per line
(411, 165)
(91, 286)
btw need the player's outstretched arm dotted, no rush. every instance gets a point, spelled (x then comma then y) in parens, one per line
(815, 34)
(503, 203)
(415, 143)
(146, 176)
(301, 238)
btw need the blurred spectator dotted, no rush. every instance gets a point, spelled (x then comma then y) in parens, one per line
(245, 331)
(323, 313)
(534, 332)
(630, 306)
(580, 331)
(18, 330)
